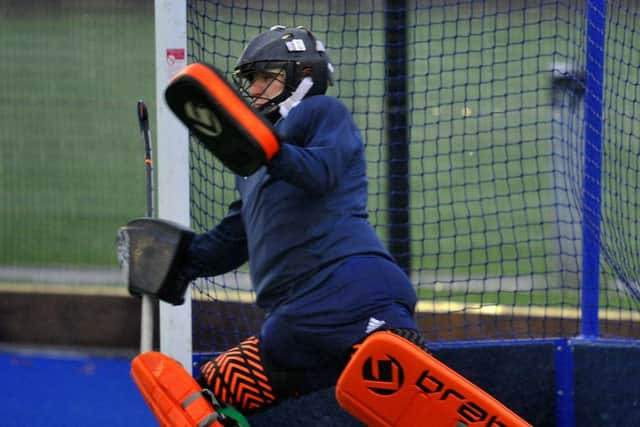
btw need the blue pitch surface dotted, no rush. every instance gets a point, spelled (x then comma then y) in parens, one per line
(60, 389)
(74, 389)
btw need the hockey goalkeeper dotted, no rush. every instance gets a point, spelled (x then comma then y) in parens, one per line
(325, 280)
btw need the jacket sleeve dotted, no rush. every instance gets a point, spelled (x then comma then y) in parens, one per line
(320, 142)
(219, 250)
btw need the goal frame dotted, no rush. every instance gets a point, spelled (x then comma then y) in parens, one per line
(173, 154)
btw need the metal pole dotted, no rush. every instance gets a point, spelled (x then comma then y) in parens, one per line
(591, 199)
(397, 131)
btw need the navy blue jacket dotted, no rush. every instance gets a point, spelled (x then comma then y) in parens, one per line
(298, 217)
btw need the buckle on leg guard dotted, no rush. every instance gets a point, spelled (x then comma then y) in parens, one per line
(229, 415)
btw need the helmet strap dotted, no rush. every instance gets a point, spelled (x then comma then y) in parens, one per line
(295, 98)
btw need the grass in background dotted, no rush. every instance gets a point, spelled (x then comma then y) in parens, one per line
(71, 157)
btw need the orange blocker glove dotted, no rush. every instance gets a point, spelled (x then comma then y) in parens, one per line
(217, 114)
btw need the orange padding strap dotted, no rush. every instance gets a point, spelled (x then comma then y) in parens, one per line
(391, 382)
(174, 396)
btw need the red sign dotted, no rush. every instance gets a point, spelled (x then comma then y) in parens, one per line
(175, 54)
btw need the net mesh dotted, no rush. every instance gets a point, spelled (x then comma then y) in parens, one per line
(493, 100)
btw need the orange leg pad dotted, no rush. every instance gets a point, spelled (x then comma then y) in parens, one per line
(392, 382)
(173, 395)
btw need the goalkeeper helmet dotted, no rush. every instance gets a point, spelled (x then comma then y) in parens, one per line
(295, 51)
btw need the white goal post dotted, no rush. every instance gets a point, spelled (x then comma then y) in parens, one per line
(173, 154)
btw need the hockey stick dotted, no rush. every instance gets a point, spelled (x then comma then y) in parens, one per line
(146, 313)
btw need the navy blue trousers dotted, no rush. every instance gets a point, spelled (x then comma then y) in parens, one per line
(310, 337)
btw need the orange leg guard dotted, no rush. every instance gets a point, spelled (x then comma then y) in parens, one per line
(390, 381)
(174, 396)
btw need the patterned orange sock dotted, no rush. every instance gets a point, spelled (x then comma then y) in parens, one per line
(237, 377)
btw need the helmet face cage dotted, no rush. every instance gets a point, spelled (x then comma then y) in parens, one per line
(294, 50)
(243, 78)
